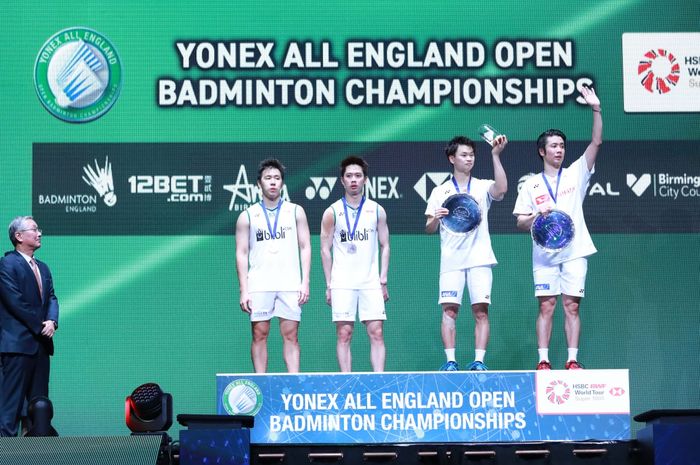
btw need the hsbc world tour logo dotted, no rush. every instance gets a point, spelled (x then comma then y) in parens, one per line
(558, 392)
(77, 75)
(659, 71)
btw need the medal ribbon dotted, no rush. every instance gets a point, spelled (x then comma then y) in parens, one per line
(273, 231)
(549, 188)
(469, 184)
(357, 218)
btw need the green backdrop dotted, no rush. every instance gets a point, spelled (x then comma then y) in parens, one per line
(164, 308)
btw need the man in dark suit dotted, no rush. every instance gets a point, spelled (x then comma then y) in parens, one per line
(28, 320)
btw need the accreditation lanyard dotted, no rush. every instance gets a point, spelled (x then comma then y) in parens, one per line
(549, 188)
(469, 185)
(273, 231)
(351, 233)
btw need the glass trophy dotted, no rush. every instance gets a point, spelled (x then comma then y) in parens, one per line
(488, 133)
(464, 216)
(553, 231)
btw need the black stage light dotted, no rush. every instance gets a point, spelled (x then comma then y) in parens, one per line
(40, 413)
(148, 409)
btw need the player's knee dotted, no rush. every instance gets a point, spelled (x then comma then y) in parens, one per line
(260, 333)
(376, 333)
(481, 316)
(449, 316)
(571, 308)
(547, 305)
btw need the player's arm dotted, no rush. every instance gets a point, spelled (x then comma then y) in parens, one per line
(433, 215)
(593, 101)
(242, 238)
(524, 210)
(383, 236)
(524, 222)
(327, 231)
(304, 240)
(499, 188)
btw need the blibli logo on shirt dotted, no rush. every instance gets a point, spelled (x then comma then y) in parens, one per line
(359, 236)
(541, 287)
(262, 235)
(448, 294)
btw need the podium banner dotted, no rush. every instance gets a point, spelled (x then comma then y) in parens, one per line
(425, 407)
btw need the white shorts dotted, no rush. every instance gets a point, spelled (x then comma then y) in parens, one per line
(565, 278)
(345, 304)
(283, 304)
(478, 279)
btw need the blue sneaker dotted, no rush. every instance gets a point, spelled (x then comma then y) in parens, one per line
(450, 366)
(477, 366)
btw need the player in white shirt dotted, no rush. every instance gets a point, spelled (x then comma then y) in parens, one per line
(273, 260)
(466, 259)
(562, 272)
(350, 230)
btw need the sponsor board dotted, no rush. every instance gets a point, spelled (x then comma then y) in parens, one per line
(661, 72)
(574, 392)
(367, 408)
(188, 188)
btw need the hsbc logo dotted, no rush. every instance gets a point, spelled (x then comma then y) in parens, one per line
(427, 182)
(616, 391)
(377, 187)
(638, 184)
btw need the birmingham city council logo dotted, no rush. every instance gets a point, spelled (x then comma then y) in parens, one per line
(78, 75)
(242, 397)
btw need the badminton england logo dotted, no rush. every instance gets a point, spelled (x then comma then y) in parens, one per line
(77, 75)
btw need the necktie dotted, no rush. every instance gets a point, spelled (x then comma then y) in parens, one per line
(35, 269)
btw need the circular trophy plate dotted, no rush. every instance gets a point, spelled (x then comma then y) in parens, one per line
(553, 232)
(464, 216)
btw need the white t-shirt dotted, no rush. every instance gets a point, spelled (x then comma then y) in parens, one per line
(459, 252)
(358, 270)
(573, 186)
(274, 264)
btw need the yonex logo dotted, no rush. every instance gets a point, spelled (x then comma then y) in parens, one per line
(659, 71)
(638, 184)
(321, 186)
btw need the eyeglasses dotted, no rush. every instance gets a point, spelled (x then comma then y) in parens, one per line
(36, 230)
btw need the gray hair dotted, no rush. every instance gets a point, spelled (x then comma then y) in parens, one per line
(16, 226)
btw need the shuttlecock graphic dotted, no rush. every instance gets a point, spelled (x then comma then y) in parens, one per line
(78, 78)
(101, 180)
(242, 399)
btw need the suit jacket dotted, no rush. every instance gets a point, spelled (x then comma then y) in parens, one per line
(22, 308)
